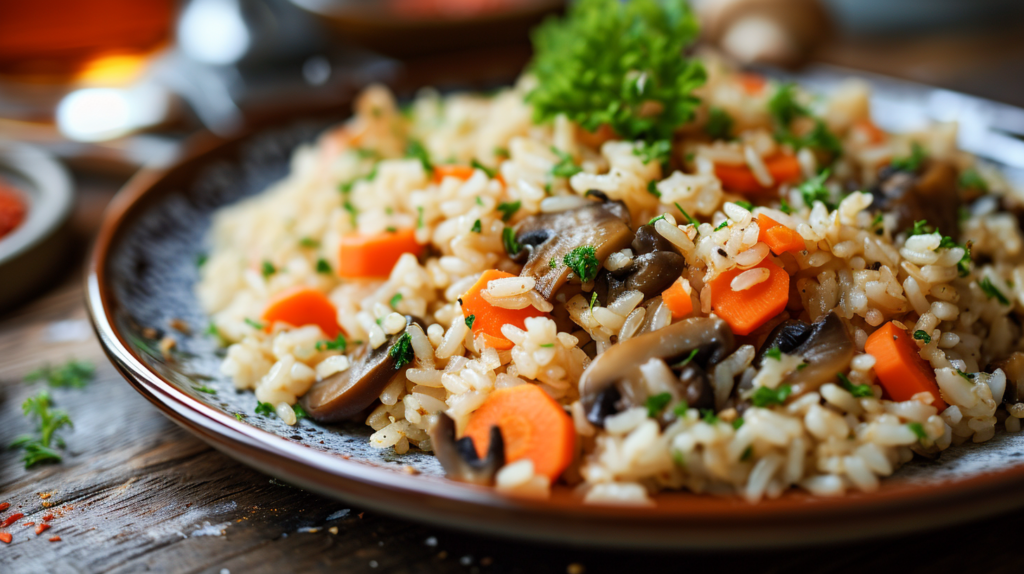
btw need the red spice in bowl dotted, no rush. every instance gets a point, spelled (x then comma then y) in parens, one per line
(12, 209)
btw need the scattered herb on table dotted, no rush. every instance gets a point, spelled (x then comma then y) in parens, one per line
(37, 448)
(71, 374)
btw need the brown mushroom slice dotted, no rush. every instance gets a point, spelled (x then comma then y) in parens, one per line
(550, 236)
(1013, 368)
(612, 380)
(346, 394)
(931, 195)
(459, 458)
(827, 350)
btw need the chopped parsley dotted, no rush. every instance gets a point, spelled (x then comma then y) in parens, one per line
(719, 125)
(652, 188)
(254, 324)
(784, 207)
(322, 266)
(393, 302)
(991, 291)
(690, 219)
(764, 396)
(553, 263)
(508, 239)
(747, 453)
(963, 266)
(365, 153)
(478, 200)
(401, 351)
(784, 108)
(201, 259)
(477, 165)
(239, 416)
(501, 152)
(610, 63)
(470, 320)
(655, 151)
(966, 376)
(918, 430)
(858, 391)
(687, 360)
(309, 242)
(300, 413)
(548, 346)
(583, 262)
(268, 269)
(346, 187)
(264, 409)
(680, 409)
(922, 336)
(657, 403)
(877, 221)
(722, 225)
(391, 229)
(774, 353)
(593, 299)
(37, 448)
(708, 416)
(508, 209)
(912, 163)
(338, 344)
(736, 424)
(71, 374)
(971, 179)
(565, 167)
(819, 138)
(416, 150)
(206, 389)
(353, 213)
(814, 190)
(477, 227)
(745, 205)
(656, 219)
(419, 217)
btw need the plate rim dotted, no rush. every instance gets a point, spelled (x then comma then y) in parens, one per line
(691, 522)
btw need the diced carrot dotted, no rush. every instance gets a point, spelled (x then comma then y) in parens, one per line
(747, 310)
(752, 84)
(678, 299)
(533, 426)
(300, 306)
(783, 168)
(874, 133)
(488, 319)
(899, 366)
(777, 236)
(462, 172)
(361, 255)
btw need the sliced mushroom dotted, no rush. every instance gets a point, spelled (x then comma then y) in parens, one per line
(827, 350)
(603, 225)
(787, 336)
(613, 381)
(459, 457)
(656, 264)
(931, 195)
(346, 394)
(1013, 367)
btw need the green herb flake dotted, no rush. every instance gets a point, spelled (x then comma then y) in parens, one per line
(265, 409)
(402, 351)
(992, 292)
(416, 150)
(918, 430)
(764, 396)
(508, 209)
(353, 213)
(583, 262)
(912, 163)
(206, 389)
(548, 346)
(719, 125)
(477, 227)
(201, 259)
(593, 299)
(971, 179)
(678, 459)
(74, 374)
(745, 205)
(784, 207)
(802, 366)
(784, 107)
(419, 217)
(680, 409)
(736, 424)
(690, 219)
(254, 324)
(877, 221)
(553, 263)
(565, 167)
(37, 449)
(722, 225)
(338, 344)
(239, 416)
(657, 403)
(470, 320)
(652, 188)
(322, 266)
(656, 219)
(268, 269)
(393, 302)
(300, 413)
(708, 416)
(654, 151)
(747, 454)
(477, 165)
(922, 336)
(774, 353)
(501, 152)
(858, 391)
(508, 239)
(814, 190)
(309, 243)
(966, 376)
(687, 360)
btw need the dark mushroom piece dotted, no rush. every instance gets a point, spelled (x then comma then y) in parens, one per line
(931, 194)
(787, 336)
(656, 264)
(1013, 367)
(604, 225)
(827, 350)
(346, 394)
(613, 382)
(459, 458)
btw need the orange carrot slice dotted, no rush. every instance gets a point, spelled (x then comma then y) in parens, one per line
(779, 238)
(462, 172)
(747, 310)
(739, 179)
(488, 319)
(677, 299)
(533, 426)
(752, 84)
(361, 255)
(300, 306)
(899, 366)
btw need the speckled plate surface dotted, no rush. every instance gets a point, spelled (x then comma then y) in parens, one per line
(141, 275)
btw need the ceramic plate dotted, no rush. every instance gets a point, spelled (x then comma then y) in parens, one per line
(141, 275)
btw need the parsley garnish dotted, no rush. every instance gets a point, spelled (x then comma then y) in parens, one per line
(565, 167)
(309, 242)
(391, 229)
(254, 324)
(765, 396)
(71, 374)
(652, 188)
(393, 302)
(416, 150)
(419, 217)
(814, 190)
(501, 152)
(722, 225)
(692, 221)
(553, 263)
(583, 262)
(858, 391)
(353, 213)
(745, 205)
(918, 430)
(347, 187)
(657, 403)
(658, 150)
(656, 219)
(470, 320)
(922, 336)
(322, 266)
(991, 291)
(401, 351)
(971, 179)
(201, 259)
(736, 424)
(784, 108)
(680, 409)
(687, 360)
(508, 209)
(719, 125)
(819, 138)
(774, 353)
(477, 228)
(966, 376)
(548, 346)
(268, 269)
(477, 165)
(264, 409)
(912, 163)
(300, 413)
(508, 239)
(593, 299)
(37, 448)
(747, 453)
(708, 416)
(338, 344)
(610, 63)
(784, 207)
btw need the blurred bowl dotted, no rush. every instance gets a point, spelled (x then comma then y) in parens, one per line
(35, 249)
(402, 28)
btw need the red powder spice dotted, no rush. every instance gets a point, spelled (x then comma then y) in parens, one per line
(6, 537)
(55, 539)
(4, 506)
(28, 523)
(12, 209)
(12, 519)
(42, 528)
